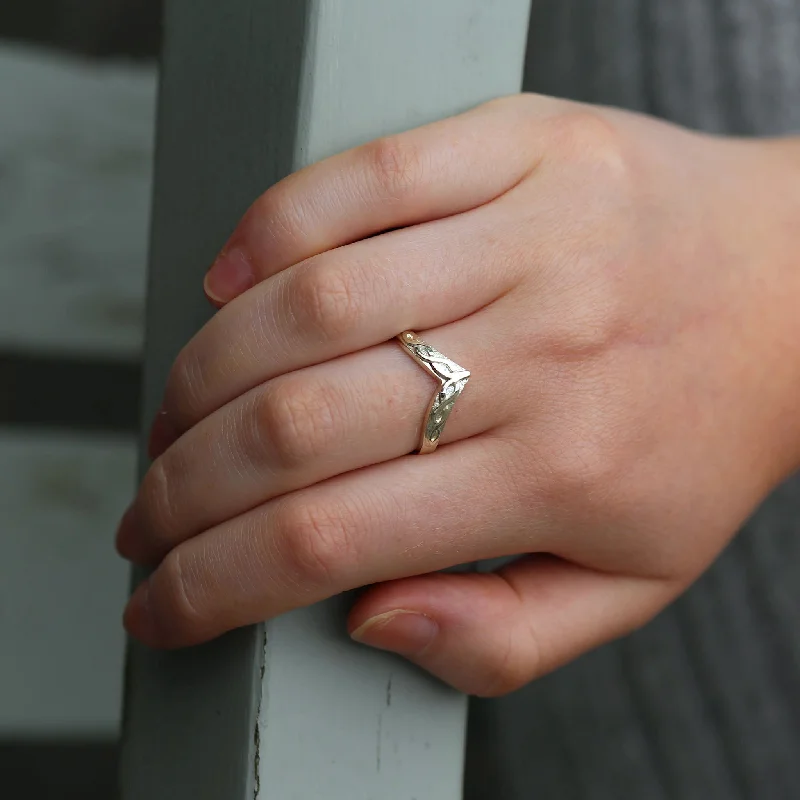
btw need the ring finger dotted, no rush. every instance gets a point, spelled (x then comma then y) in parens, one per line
(305, 427)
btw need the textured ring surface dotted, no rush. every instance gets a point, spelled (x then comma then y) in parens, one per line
(452, 378)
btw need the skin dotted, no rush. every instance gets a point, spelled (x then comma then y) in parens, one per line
(624, 293)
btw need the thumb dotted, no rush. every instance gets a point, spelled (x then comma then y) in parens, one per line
(489, 634)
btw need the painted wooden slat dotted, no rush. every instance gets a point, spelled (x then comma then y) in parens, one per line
(75, 168)
(251, 90)
(62, 587)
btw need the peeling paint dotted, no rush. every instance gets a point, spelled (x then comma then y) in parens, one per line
(257, 731)
(257, 760)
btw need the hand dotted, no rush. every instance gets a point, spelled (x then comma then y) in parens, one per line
(624, 294)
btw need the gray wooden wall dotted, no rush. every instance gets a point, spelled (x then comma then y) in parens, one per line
(75, 164)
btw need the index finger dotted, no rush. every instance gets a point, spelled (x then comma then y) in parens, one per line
(424, 174)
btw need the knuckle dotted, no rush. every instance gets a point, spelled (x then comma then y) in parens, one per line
(511, 666)
(296, 422)
(505, 673)
(185, 388)
(317, 544)
(278, 212)
(582, 469)
(328, 299)
(173, 599)
(396, 165)
(586, 136)
(585, 331)
(157, 502)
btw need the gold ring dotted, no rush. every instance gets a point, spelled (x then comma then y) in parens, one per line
(453, 379)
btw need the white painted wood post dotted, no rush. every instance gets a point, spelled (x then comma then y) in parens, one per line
(252, 90)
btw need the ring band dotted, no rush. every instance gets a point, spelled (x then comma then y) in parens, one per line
(453, 379)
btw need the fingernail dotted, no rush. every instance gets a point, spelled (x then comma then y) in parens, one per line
(162, 435)
(408, 633)
(229, 276)
(138, 616)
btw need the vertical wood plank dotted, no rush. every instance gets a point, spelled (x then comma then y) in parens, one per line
(252, 90)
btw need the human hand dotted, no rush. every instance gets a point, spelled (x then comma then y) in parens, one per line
(624, 296)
